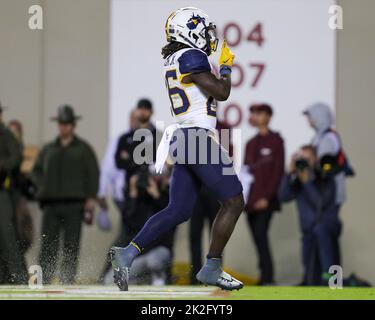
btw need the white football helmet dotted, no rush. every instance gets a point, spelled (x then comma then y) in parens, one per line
(192, 27)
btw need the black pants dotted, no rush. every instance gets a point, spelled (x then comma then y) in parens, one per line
(259, 224)
(320, 250)
(12, 262)
(65, 218)
(205, 209)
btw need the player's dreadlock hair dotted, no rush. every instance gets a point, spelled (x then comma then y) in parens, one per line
(171, 48)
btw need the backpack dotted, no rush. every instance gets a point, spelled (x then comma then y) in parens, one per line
(341, 159)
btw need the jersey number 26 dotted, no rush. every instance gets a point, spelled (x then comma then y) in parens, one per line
(179, 100)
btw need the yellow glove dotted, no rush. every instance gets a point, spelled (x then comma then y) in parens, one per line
(226, 55)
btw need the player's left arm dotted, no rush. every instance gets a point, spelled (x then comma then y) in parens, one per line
(207, 81)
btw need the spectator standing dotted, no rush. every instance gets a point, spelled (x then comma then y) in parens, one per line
(125, 157)
(265, 158)
(23, 220)
(125, 150)
(111, 182)
(13, 265)
(66, 174)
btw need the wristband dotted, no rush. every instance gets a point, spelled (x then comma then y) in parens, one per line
(225, 69)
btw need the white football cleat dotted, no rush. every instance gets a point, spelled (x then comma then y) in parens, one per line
(224, 280)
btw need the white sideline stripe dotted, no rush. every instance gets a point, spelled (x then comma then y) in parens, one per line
(122, 296)
(78, 292)
(109, 288)
(93, 294)
(178, 293)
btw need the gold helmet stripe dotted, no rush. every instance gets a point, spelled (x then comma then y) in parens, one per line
(167, 25)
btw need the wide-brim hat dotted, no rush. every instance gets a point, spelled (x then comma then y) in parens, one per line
(66, 114)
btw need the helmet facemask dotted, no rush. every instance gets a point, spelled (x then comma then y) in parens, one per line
(209, 33)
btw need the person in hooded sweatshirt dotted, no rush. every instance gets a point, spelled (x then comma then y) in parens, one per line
(326, 142)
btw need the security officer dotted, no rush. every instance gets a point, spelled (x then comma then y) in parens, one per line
(14, 267)
(67, 176)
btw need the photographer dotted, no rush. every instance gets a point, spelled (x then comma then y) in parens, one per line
(312, 185)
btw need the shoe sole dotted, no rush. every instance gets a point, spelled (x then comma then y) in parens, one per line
(222, 287)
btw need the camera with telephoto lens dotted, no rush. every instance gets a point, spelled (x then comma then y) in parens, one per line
(302, 164)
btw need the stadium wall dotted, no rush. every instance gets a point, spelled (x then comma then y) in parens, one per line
(355, 117)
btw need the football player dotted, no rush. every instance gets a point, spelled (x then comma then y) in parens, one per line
(193, 89)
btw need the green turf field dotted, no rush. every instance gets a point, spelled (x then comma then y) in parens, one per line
(185, 292)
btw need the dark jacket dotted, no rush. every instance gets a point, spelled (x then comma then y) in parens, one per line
(66, 173)
(10, 154)
(315, 200)
(127, 144)
(265, 157)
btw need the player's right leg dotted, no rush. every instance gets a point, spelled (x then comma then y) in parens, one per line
(219, 176)
(223, 226)
(183, 194)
